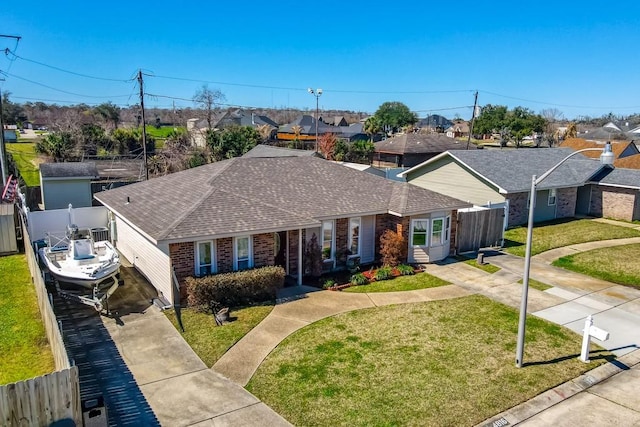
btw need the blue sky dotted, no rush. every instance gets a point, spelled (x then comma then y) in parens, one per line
(431, 56)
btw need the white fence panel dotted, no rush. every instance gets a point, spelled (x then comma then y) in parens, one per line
(42, 222)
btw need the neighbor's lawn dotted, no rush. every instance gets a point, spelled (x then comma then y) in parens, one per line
(617, 264)
(24, 350)
(25, 156)
(563, 233)
(401, 283)
(440, 363)
(210, 341)
(163, 132)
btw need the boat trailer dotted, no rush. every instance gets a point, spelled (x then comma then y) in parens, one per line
(98, 297)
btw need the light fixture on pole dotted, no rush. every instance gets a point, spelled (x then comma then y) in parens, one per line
(606, 158)
(317, 94)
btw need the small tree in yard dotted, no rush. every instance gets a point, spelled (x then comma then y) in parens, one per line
(392, 248)
(327, 145)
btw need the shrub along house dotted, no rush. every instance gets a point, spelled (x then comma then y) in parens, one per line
(250, 212)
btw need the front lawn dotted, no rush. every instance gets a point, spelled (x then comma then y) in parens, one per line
(401, 283)
(617, 264)
(24, 349)
(556, 234)
(489, 268)
(26, 159)
(535, 284)
(440, 363)
(210, 341)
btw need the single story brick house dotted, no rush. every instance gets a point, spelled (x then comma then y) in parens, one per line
(502, 178)
(256, 211)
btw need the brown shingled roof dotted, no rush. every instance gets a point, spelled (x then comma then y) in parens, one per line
(617, 147)
(252, 195)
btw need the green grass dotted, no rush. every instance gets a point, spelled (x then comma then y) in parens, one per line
(439, 363)
(489, 268)
(162, 132)
(556, 234)
(24, 350)
(535, 284)
(617, 264)
(400, 283)
(25, 156)
(210, 341)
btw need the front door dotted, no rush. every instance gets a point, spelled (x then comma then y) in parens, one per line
(280, 249)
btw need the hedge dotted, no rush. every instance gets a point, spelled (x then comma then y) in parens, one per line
(234, 289)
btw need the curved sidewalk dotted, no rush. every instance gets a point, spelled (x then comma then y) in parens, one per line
(300, 306)
(551, 255)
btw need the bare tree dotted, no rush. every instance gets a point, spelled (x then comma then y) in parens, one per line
(207, 100)
(553, 117)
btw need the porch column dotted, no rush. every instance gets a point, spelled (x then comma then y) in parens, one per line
(300, 257)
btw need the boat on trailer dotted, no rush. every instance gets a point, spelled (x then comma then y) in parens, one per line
(81, 268)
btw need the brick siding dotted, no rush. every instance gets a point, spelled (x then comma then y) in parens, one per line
(224, 254)
(263, 246)
(615, 203)
(453, 231)
(342, 240)
(182, 257)
(518, 212)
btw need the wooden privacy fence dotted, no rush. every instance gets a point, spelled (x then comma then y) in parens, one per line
(53, 397)
(479, 229)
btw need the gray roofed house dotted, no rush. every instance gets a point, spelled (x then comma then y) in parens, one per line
(255, 211)
(502, 178)
(67, 183)
(411, 149)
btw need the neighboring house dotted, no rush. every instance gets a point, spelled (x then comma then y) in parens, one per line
(626, 154)
(307, 125)
(250, 212)
(434, 122)
(10, 135)
(334, 120)
(612, 131)
(411, 149)
(458, 129)
(613, 193)
(198, 128)
(67, 183)
(502, 178)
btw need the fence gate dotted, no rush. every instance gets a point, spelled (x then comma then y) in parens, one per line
(479, 228)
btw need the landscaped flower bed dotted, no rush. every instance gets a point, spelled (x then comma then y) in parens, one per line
(372, 275)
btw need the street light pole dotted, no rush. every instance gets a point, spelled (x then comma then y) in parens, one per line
(317, 94)
(606, 158)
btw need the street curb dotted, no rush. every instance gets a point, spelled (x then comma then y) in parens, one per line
(549, 398)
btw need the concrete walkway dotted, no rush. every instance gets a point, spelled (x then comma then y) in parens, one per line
(176, 384)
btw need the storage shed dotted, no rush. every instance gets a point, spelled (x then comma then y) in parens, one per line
(67, 183)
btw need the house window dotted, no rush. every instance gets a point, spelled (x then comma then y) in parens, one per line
(242, 253)
(437, 231)
(354, 236)
(205, 258)
(327, 240)
(552, 197)
(419, 232)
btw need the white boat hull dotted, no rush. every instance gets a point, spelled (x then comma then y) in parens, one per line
(86, 271)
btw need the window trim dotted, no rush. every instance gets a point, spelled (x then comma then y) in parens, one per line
(235, 252)
(553, 194)
(197, 265)
(426, 232)
(333, 240)
(350, 236)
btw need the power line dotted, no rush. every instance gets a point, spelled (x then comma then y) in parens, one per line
(8, 51)
(68, 102)
(61, 90)
(558, 105)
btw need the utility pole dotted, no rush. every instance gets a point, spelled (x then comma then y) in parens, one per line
(3, 151)
(473, 118)
(144, 126)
